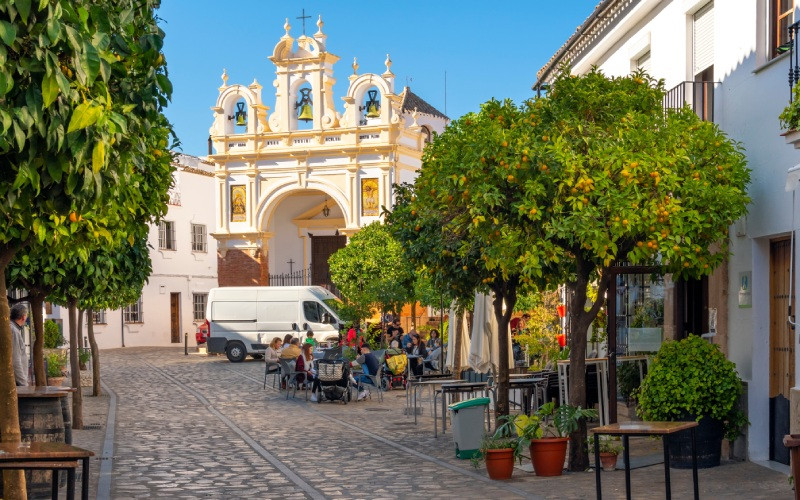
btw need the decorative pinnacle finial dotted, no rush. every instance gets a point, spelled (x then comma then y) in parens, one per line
(287, 26)
(355, 65)
(388, 63)
(320, 24)
(224, 77)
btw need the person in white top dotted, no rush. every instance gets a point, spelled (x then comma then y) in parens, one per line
(19, 314)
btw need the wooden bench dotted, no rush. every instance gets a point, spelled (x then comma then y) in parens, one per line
(49, 456)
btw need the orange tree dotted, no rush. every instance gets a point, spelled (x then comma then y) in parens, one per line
(83, 140)
(562, 187)
(460, 219)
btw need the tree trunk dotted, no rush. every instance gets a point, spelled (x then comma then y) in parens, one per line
(13, 480)
(77, 396)
(457, 326)
(580, 319)
(507, 293)
(37, 302)
(80, 330)
(95, 354)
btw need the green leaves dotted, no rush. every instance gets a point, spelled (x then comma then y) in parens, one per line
(49, 89)
(84, 115)
(98, 156)
(8, 32)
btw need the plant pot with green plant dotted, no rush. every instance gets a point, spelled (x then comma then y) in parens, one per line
(56, 361)
(790, 119)
(609, 447)
(691, 379)
(500, 450)
(546, 433)
(84, 355)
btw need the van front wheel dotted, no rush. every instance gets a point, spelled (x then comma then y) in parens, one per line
(235, 351)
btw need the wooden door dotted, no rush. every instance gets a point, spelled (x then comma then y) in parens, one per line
(174, 317)
(781, 348)
(322, 247)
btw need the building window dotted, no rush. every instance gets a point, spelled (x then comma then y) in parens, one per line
(781, 17)
(199, 306)
(166, 235)
(643, 63)
(99, 317)
(199, 238)
(426, 135)
(133, 313)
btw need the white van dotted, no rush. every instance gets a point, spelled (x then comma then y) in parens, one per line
(243, 320)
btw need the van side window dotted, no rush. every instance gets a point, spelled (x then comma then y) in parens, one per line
(312, 312)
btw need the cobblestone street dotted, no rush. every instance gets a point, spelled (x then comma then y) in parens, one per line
(201, 427)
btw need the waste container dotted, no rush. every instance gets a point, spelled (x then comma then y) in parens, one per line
(468, 419)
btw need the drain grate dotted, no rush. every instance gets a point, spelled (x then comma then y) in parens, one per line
(92, 427)
(376, 409)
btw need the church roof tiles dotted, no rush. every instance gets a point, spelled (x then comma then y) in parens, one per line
(412, 101)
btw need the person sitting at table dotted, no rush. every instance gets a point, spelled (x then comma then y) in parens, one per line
(292, 351)
(305, 366)
(433, 358)
(416, 348)
(273, 351)
(287, 339)
(405, 340)
(434, 341)
(369, 365)
(310, 338)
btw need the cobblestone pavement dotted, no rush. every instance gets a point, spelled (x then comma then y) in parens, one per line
(201, 427)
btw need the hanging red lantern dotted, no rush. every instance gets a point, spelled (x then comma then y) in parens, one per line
(562, 339)
(562, 310)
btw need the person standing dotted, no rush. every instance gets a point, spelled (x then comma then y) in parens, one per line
(19, 314)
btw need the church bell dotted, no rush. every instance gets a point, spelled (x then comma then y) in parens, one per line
(305, 106)
(373, 105)
(241, 115)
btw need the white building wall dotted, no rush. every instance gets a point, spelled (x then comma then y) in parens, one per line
(748, 99)
(181, 271)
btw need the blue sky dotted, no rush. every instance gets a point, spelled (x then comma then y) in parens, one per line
(488, 49)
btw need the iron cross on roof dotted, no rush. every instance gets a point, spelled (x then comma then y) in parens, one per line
(303, 18)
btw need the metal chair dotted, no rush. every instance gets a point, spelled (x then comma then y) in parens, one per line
(377, 378)
(289, 376)
(274, 368)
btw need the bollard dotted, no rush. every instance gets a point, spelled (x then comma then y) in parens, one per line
(185, 344)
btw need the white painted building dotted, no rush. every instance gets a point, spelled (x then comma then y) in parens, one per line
(293, 182)
(184, 259)
(722, 58)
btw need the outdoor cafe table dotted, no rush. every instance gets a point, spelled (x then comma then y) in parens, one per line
(425, 383)
(644, 429)
(459, 387)
(413, 380)
(528, 386)
(53, 456)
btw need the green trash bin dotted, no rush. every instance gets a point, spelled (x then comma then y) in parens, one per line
(468, 421)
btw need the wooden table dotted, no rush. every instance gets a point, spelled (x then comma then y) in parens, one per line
(53, 456)
(645, 429)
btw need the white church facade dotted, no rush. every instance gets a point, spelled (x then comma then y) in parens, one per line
(295, 179)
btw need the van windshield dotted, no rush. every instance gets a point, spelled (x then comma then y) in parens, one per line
(335, 305)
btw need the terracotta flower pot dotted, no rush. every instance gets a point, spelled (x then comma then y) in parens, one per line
(608, 461)
(499, 463)
(548, 454)
(55, 381)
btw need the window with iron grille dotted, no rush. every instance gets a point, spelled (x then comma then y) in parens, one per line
(166, 235)
(199, 306)
(133, 313)
(99, 317)
(781, 17)
(199, 238)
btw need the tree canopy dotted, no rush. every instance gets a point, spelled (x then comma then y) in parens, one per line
(372, 271)
(559, 189)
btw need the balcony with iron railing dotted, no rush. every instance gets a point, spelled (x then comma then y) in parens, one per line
(697, 95)
(791, 46)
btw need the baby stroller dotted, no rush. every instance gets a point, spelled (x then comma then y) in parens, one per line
(394, 373)
(334, 380)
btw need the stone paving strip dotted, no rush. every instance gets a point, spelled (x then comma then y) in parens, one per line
(201, 427)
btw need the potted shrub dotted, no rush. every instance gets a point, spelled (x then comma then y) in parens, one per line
(610, 448)
(84, 355)
(500, 450)
(690, 379)
(546, 433)
(56, 361)
(790, 119)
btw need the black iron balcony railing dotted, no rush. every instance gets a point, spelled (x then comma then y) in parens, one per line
(697, 95)
(794, 56)
(303, 277)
